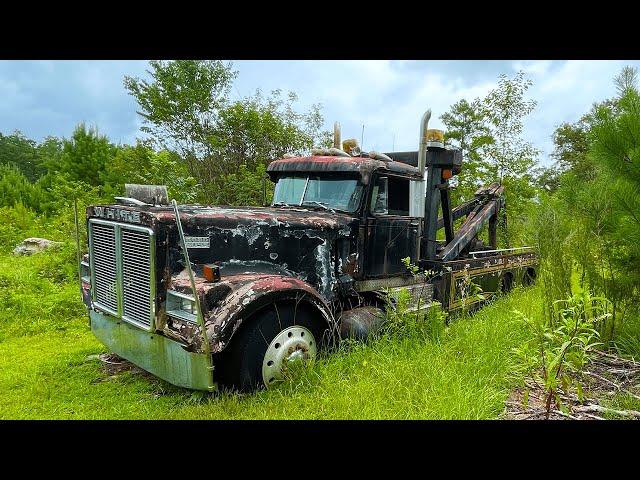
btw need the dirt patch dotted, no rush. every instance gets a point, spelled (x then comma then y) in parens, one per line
(604, 376)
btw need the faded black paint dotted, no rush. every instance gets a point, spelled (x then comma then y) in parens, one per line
(267, 254)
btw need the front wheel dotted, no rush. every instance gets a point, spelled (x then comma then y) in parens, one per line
(267, 345)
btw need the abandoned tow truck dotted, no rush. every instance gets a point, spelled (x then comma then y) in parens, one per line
(201, 296)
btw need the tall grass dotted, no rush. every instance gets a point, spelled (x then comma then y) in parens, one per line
(425, 370)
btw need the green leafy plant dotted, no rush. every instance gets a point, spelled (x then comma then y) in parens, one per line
(564, 346)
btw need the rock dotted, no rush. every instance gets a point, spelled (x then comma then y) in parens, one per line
(33, 245)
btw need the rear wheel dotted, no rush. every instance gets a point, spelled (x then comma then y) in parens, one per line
(529, 277)
(506, 284)
(267, 346)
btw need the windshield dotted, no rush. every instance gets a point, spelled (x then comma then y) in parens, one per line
(329, 193)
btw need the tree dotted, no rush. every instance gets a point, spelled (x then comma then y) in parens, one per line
(511, 159)
(85, 156)
(141, 164)
(468, 129)
(187, 110)
(505, 107)
(489, 132)
(181, 104)
(18, 150)
(615, 146)
(571, 145)
(252, 133)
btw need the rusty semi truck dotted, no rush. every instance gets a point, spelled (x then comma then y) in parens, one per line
(203, 296)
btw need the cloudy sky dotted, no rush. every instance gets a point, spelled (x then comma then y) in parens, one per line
(42, 98)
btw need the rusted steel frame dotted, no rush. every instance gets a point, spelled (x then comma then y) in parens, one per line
(468, 230)
(459, 211)
(504, 259)
(493, 231)
(447, 217)
(194, 291)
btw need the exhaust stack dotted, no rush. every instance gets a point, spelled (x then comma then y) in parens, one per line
(336, 136)
(422, 146)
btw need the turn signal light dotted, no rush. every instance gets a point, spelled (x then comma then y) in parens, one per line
(211, 272)
(447, 174)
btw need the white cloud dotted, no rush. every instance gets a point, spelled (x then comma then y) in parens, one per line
(388, 97)
(537, 68)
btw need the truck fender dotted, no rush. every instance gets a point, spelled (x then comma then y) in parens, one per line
(250, 295)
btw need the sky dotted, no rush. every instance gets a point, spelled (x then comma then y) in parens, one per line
(41, 98)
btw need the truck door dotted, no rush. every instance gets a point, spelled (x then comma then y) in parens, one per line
(391, 233)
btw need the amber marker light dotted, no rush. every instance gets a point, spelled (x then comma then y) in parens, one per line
(211, 272)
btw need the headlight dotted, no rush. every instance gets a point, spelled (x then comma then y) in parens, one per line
(182, 306)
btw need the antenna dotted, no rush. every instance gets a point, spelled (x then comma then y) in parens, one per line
(362, 138)
(393, 148)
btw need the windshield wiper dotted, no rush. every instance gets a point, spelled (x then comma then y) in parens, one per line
(320, 204)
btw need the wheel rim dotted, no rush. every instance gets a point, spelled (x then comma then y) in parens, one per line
(292, 345)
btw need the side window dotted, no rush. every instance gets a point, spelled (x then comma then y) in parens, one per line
(390, 196)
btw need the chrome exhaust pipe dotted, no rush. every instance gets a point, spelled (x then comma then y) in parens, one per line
(336, 136)
(422, 148)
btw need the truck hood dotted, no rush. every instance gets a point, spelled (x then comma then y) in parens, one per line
(296, 242)
(231, 217)
(306, 243)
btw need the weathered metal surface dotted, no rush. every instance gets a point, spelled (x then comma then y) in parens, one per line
(486, 272)
(154, 353)
(362, 166)
(359, 323)
(389, 240)
(489, 204)
(235, 297)
(333, 261)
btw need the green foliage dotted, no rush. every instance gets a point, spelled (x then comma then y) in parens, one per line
(21, 152)
(552, 234)
(468, 129)
(244, 187)
(461, 373)
(489, 132)
(142, 165)
(591, 220)
(15, 188)
(85, 156)
(563, 345)
(186, 109)
(181, 104)
(411, 267)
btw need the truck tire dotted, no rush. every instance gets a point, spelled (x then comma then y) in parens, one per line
(529, 277)
(506, 283)
(265, 344)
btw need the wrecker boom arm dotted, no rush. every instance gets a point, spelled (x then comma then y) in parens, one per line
(483, 208)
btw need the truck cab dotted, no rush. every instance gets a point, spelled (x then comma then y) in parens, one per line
(203, 296)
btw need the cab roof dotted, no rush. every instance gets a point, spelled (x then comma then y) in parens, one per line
(364, 166)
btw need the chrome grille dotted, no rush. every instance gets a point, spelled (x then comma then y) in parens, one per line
(136, 276)
(104, 266)
(121, 257)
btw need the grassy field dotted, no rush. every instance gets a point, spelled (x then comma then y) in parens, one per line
(49, 368)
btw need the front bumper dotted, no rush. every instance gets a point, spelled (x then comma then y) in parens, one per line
(159, 355)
